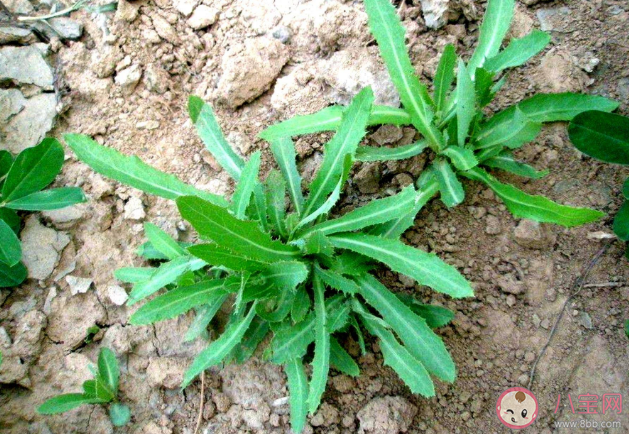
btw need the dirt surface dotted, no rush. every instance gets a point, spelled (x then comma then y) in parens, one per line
(126, 82)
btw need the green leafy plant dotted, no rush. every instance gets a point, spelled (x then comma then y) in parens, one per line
(452, 119)
(605, 137)
(102, 389)
(289, 270)
(22, 183)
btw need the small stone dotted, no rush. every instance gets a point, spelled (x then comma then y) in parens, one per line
(387, 134)
(368, 178)
(545, 323)
(536, 320)
(166, 372)
(78, 285)
(134, 209)
(509, 285)
(282, 34)
(52, 293)
(586, 321)
(41, 247)
(11, 103)
(29, 127)
(127, 11)
(165, 30)
(117, 295)
(19, 7)
(202, 17)
(185, 7)
(128, 78)
(156, 79)
(147, 125)
(222, 402)
(523, 379)
(386, 415)
(533, 235)
(493, 225)
(65, 218)
(511, 300)
(407, 281)
(435, 12)
(26, 65)
(66, 28)
(529, 356)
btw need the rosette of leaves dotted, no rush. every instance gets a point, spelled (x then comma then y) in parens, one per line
(451, 119)
(289, 270)
(22, 184)
(102, 389)
(605, 137)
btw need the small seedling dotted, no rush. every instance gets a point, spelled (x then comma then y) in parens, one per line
(102, 389)
(605, 137)
(22, 184)
(292, 272)
(452, 120)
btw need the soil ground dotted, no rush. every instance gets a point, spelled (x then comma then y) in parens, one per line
(264, 61)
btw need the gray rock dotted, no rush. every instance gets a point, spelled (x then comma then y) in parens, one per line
(249, 69)
(349, 71)
(65, 218)
(623, 88)
(435, 12)
(41, 248)
(202, 17)
(282, 34)
(66, 28)
(185, 7)
(28, 127)
(25, 65)
(129, 78)
(553, 18)
(19, 7)
(533, 235)
(78, 285)
(10, 35)
(11, 103)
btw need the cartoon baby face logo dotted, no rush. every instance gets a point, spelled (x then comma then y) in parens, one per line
(517, 408)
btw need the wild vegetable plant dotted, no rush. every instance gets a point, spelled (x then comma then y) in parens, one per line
(605, 137)
(22, 183)
(102, 389)
(452, 119)
(289, 271)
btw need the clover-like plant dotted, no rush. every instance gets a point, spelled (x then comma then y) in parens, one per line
(102, 389)
(22, 183)
(452, 120)
(605, 137)
(289, 270)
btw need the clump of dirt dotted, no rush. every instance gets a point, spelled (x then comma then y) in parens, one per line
(126, 82)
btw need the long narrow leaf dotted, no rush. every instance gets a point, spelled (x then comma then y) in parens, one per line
(321, 361)
(465, 103)
(451, 189)
(519, 51)
(341, 360)
(162, 242)
(246, 184)
(382, 153)
(204, 315)
(54, 198)
(298, 389)
(496, 23)
(108, 369)
(444, 76)
(132, 171)
(284, 153)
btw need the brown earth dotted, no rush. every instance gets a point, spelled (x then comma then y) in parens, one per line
(126, 82)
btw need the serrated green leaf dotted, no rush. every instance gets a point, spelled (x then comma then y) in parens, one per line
(376, 212)
(12, 276)
(287, 274)
(108, 369)
(181, 300)
(359, 334)
(409, 368)
(341, 360)
(276, 309)
(89, 388)
(275, 200)
(54, 198)
(33, 169)
(538, 208)
(336, 280)
(317, 243)
(321, 360)
(284, 152)
(421, 342)
(512, 132)
(245, 186)
(505, 161)
(119, 414)
(210, 132)
(65, 402)
(343, 144)
(240, 236)
(162, 242)
(385, 115)
(444, 76)
(204, 315)
(465, 103)
(435, 316)
(132, 171)
(386, 27)
(217, 255)
(426, 268)
(350, 264)
(519, 51)
(395, 228)
(298, 389)
(484, 87)
(301, 305)
(10, 248)
(496, 23)
(621, 222)
(461, 158)
(166, 273)
(133, 274)
(601, 135)
(220, 348)
(257, 209)
(382, 153)
(451, 189)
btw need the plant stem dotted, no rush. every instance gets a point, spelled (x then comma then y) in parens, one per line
(65, 11)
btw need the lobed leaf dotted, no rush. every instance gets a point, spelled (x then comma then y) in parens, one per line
(435, 316)
(217, 255)
(426, 268)
(336, 280)
(210, 132)
(536, 208)
(132, 171)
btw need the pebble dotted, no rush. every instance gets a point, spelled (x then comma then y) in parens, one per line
(202, 17)
(117, 295)
(129, 78)
(147, 125)
(78, 285)
(134, 209)
(494, 227)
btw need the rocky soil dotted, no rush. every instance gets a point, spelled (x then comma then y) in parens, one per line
(123, 77)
